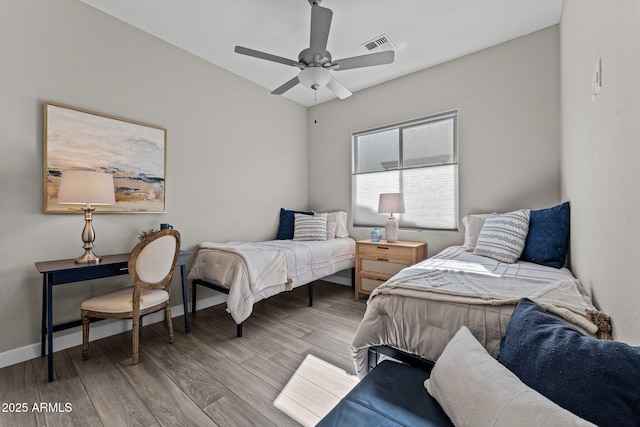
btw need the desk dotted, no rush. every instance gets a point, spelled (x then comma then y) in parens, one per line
(64, 271)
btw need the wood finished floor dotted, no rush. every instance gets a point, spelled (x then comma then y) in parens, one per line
(209, 377)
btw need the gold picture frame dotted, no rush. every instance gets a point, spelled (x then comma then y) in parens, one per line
(134, 152)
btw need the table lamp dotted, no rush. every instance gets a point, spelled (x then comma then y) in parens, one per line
(391, 203)
(86, 188)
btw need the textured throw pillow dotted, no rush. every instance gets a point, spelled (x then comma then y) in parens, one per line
(285, 228)
(503, 235)
(341, 229)
(475, 390)
(598, 380)
(472, 226)
(310, 227)
(332, 224)
(548, 239)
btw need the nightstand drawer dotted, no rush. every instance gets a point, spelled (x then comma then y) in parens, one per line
(385, 267)
(387, 253)
(370, 284)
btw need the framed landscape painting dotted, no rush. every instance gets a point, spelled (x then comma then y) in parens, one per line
(135, 153)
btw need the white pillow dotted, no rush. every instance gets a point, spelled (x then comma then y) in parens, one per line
(332, 224)
(341, 229)
(310, 227)
(472, 226)
(503, 236)
(475, 390)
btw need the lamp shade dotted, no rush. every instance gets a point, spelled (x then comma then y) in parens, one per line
(391, 203)
(86, 187)
(314, 77)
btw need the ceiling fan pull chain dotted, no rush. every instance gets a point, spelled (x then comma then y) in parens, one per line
(315, 106)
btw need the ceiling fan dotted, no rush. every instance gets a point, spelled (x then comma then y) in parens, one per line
(316, 62)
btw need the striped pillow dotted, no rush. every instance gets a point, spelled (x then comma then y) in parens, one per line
(310, 227)
(503, 236)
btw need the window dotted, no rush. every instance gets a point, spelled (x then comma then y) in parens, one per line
(417, 158)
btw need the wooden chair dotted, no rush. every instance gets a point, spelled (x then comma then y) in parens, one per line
(151, 266)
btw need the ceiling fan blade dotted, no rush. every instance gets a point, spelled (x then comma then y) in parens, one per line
(285, 87)
(379, 58)
(262, 55)
(320, 24)
(338, 88)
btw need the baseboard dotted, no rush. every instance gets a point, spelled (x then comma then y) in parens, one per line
(100, 330)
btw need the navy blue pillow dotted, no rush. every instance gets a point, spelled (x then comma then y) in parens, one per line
(548, 239)
(597, 380)
(287, 223)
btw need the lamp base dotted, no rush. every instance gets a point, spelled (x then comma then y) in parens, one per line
(88, 237)
(88, 258)
(391, 230)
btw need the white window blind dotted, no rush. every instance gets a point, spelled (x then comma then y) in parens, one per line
(417, 158)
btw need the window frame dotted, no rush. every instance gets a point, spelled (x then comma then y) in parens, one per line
(448, 115)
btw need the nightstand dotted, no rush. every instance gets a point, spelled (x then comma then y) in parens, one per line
(376, 262)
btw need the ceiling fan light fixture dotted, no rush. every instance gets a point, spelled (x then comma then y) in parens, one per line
(314, 77)
(315, 62)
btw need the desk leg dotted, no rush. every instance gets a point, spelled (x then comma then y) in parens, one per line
(185, 304)
(50, 330)
(43, 332)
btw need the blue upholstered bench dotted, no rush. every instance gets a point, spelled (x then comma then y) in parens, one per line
(392, 394)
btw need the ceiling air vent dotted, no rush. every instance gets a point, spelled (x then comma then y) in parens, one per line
(379, 44)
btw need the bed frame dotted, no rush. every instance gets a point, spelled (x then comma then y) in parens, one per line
(218, 287)
(401, 356)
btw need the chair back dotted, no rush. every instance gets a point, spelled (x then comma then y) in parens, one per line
(153, 260)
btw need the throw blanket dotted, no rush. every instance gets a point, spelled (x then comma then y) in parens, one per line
(265, 266)
(564, 298)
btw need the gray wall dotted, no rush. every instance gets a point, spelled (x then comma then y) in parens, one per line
(600, 153)
(231, 154)
(508, 103)
(233, 148)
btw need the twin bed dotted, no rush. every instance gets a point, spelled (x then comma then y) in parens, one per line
(250, 272)
(505, 258)
(421, 308)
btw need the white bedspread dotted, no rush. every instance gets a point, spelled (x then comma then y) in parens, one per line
(458, 276)
(266, 266)
(305, 261)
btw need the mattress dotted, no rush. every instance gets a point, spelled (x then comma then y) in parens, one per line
(305, 261)
(422, 307)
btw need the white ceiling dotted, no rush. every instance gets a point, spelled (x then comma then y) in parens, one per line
(424, 32)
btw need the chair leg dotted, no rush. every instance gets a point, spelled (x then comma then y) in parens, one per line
(140, 326)
(135, 331)
(167, 314)
(85, 336)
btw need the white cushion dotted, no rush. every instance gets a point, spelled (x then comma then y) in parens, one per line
(503, 236)
(341, 229)
(472, 226)
(336, 224)
(332, 224)
(121, 301)
(310, 227)
(475, 390)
